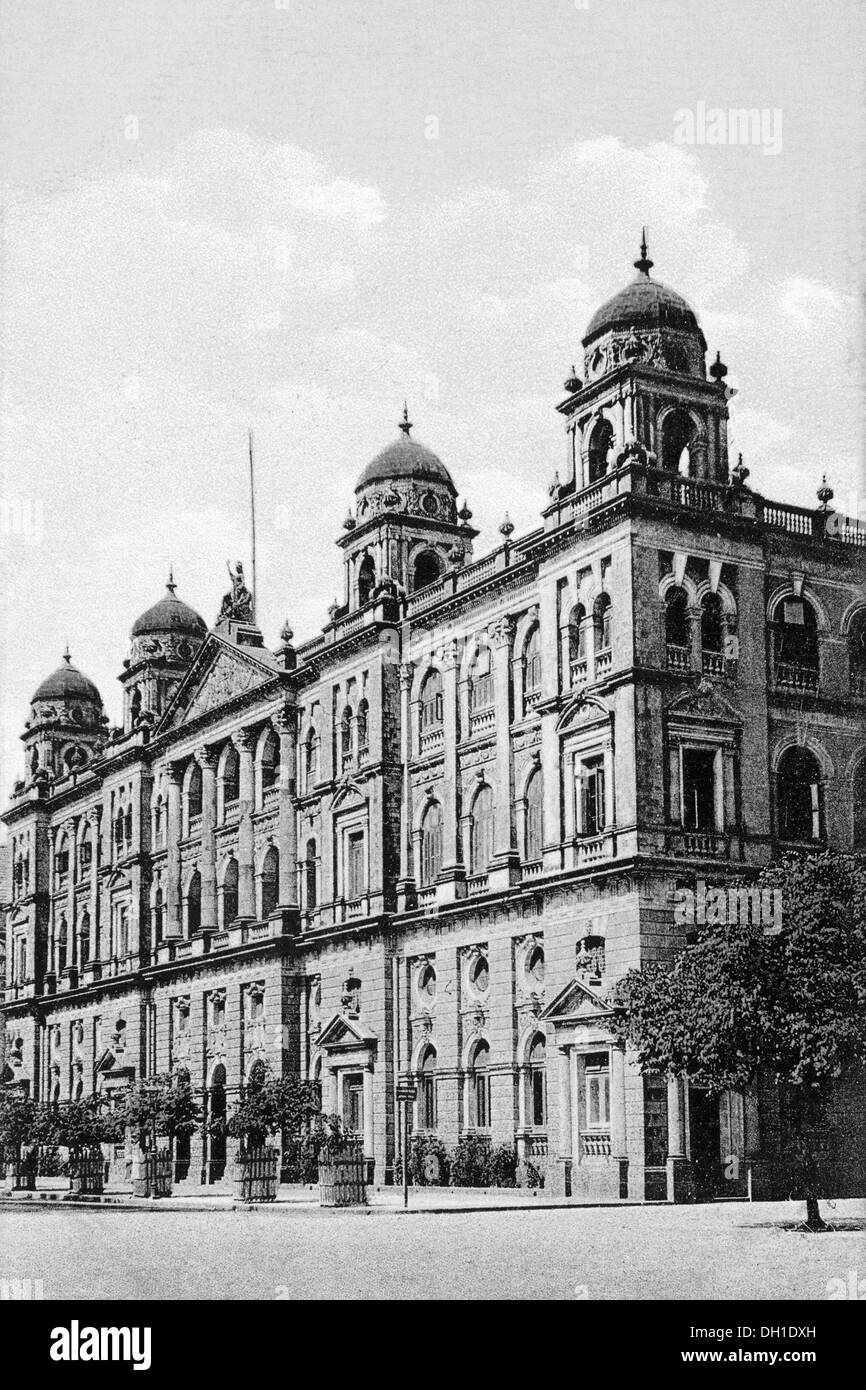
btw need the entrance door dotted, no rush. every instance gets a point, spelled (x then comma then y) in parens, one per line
(217, 1154)
(353, 1102)
(706, 1143)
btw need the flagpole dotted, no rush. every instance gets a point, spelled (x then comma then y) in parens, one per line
(253, 521)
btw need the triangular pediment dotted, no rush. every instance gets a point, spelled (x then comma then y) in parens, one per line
(577, 1000)
(346, 1032)
(220, 673)
(705, 701)
(581, 711)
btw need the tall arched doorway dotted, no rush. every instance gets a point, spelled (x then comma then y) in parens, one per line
(216, 1166)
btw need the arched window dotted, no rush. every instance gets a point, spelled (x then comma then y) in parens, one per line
(860, 806)
(158, 916)
(346, 736)
(230, 894)
(215, 1132)
(538, 1082)
(678, 431)
(482, 831)
(426, 569)
(270, 882)
(311, 760)
(231, 779)
(857, 655)
(363, 723)
(481, 682)
(600, 441)
(62, 944)
(270, 761)
(310, 876)
(84, 938)
(366, 580)
(431, 844)
(712, 624)
(193, 903)
(128, 828)
(534, 830)
(193, 794)
(532, 669)
(795, 644)
(85, 850)
(799, 796)
(427, 1090)
(678, 629)
(431, 711)
(602, 613)
(577, 640)
(479, 1087)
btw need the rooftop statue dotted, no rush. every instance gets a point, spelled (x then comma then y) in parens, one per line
(238, 602)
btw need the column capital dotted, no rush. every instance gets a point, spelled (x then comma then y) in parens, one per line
(93, 814)
(407, 671)
(244, 740)
(206, 757)
(285, 721)
(501, 633)
(175, 773)
(450, 655)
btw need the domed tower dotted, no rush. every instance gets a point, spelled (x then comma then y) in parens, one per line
(165, 640)
(647, 392)
(405, 527)
(66, 727)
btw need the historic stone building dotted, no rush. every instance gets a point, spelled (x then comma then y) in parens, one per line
(428, 840)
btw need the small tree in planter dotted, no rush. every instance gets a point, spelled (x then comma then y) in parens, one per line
(157, 1105)
(83, 1126)
(18, 1116)
(342, 1180)
(269, 1105)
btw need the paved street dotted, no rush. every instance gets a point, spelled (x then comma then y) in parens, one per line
(714, 1252)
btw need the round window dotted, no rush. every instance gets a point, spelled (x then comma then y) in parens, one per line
(427, 982)
(479, 975)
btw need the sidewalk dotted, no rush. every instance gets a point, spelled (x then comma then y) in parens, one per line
(305, 1199)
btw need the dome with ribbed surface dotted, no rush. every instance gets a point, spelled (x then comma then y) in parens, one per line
(170, 615)
(644, 303)
(68, 683)
(406, 461)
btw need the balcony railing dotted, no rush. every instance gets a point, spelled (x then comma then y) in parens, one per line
(482, 721)
(476, 884)
(531, 699)
(531, 870)
(536, 1146)
(595, 1145)
(427, 896)
(713, 663)
(678, 658)
(603, 662)
(592, 848)
(432, 741)
(699, 842)
(579, 672)
(791, 675)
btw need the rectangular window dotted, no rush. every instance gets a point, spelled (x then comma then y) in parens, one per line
(356, 865)
(699, 789)
(539, 1107)
(593, 792)
(597, 1093)
(482, 1100)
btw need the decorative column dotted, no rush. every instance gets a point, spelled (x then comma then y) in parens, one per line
(72, 875)
(618, 1140)
(93, 948)
(452, 865)
(505, 866)
(243, 742)
(287, 829)
(368, 1112)
(406, 884)
(173, 909)
(207, 761)
(679, 1182)
(564, 1092)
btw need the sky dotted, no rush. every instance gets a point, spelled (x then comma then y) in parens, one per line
(291, 215)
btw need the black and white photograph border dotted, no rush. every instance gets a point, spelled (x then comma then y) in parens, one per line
(433, 702)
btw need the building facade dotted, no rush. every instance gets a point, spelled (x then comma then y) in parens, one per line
(428, 841)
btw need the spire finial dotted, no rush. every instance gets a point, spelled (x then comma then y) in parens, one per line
(67, 656)
(171, 586)
(405, 423)
(643, 262)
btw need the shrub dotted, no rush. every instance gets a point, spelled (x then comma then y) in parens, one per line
(502, 1166)
(470, 1163)
(429, 1164)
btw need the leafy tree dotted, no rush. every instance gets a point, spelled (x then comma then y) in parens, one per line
(81, 1124)
(160, 1104)
(789, 1002)
(269, 1105)
(18, 1115)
